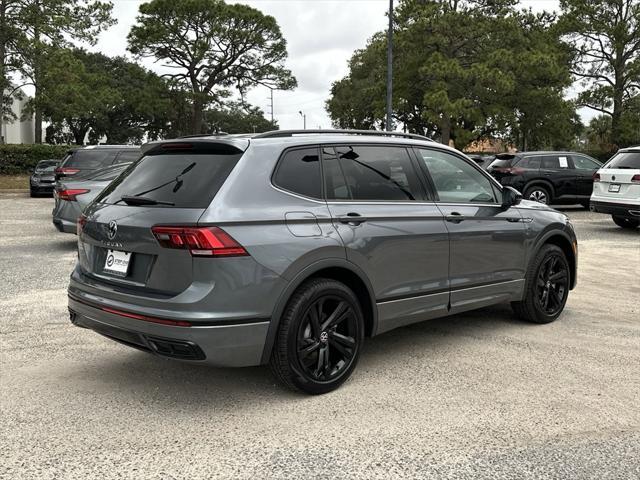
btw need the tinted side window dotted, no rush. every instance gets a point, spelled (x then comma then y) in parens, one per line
(127, 156)
(583, 163)
(299, 172)
(378, 173)
(555, 162)
(456, 180)
(532, 163)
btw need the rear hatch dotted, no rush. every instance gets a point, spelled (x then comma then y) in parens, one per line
(619, 179)
(171, 185)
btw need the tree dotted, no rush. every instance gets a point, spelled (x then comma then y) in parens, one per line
(212, 46)
(109, 98)
(465, 70)
(238, 118)
(606, 39)
(49, 24)
(10, 36)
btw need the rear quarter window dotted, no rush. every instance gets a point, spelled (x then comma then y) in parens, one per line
(185, 179)
(299, 172)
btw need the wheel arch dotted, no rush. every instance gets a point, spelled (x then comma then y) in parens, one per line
(338, 269)
(564, 242)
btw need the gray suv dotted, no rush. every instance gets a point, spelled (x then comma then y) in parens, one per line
(288, 248)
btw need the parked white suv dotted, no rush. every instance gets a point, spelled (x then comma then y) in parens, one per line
(616, 188)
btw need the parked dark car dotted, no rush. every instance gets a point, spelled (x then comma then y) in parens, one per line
(43, 178)
(548, 177)
(73, 195)
(95, 157)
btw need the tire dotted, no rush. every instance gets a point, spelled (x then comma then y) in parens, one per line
(32, 193)
(549, 263)
(538, 193)
(625, 222)
(337, 347)
(586, 205)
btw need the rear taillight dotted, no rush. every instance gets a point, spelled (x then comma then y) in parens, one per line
(82, 220)
(201, 242)
(596, 177)
(67, 170)
(635, 178)
(71, 193)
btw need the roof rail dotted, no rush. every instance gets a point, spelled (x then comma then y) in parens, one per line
(377, 133)
(197, 135)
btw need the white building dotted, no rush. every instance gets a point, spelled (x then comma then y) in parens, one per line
(18, 131)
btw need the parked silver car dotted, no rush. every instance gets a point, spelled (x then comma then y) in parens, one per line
(288, 248)
(72, 195)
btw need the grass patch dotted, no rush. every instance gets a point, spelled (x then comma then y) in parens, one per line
(13, 182)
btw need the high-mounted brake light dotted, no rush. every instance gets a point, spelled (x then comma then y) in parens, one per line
(176, 146)
(71, 194)
(200, 241)
(635, 178)
(596, 177)
(67, 170)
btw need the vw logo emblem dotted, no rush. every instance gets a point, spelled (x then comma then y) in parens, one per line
(324, 337)
(112, 230)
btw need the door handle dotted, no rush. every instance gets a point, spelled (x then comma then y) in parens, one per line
(454, 217)
(352, 218)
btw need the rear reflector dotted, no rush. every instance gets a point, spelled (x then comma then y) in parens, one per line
(596, 177)
(201, 242)
(71, 194)
(635, 179)
(144, 318)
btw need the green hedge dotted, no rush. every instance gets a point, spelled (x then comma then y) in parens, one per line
(16, 159)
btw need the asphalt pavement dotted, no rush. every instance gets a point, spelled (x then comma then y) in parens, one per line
(479, 395)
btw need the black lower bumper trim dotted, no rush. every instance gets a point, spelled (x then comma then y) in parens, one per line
(618, 209)
(165, 347)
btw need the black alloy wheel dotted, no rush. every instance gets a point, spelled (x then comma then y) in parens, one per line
(327, 338)
(552, 285)
(546, 287)
(319, 337)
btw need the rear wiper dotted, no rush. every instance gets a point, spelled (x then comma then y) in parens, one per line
(135, 201)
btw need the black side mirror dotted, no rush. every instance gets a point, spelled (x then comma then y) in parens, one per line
(510, 197)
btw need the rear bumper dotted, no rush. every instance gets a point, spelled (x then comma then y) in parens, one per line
(618, 209)
(221, 344)
(63, 225)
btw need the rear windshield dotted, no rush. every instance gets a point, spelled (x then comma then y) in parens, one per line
(187, 180)
(47, 165)
(103, 174)
(90, 158)
(625, 160)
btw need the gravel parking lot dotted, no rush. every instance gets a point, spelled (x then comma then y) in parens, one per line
(479, 395)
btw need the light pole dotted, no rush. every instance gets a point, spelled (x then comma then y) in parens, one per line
(304, 119)
(390, 67)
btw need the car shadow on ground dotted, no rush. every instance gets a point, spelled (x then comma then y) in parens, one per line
(192, 387)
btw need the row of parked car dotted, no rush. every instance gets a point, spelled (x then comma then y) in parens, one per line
(558, 178)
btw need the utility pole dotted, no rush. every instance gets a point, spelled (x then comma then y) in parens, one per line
(304, 119)
(390, 67)
(271, 98)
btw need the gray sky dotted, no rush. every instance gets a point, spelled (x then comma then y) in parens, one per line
(321, 36)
